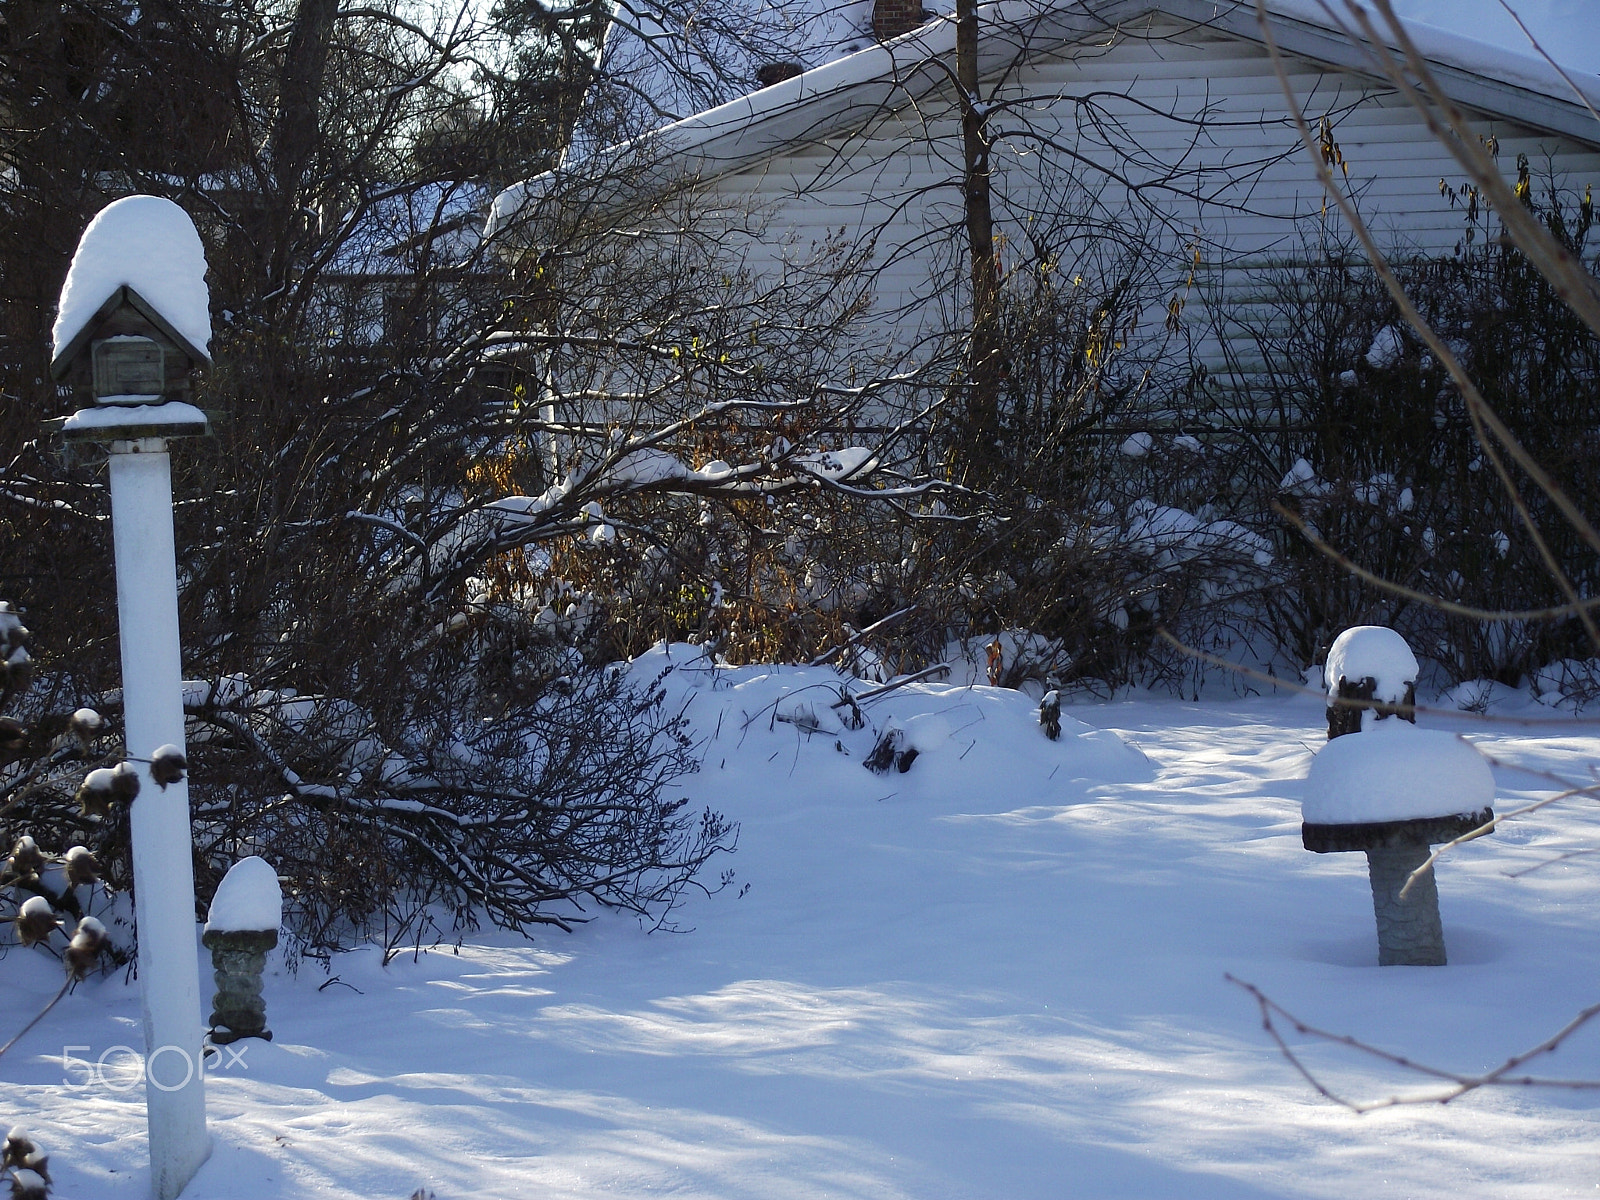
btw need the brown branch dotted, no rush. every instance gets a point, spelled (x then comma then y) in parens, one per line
(1500, 1076)
(1489, 826)
(1349, 565)
(1566, 275)
(65, 984)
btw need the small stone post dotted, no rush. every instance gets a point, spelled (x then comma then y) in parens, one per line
(1410, 931)
(243, 926)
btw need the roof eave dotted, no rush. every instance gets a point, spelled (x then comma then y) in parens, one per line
(826, 99)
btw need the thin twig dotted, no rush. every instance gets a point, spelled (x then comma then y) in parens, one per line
(880, 624)
(1550, 862)
(1486, 828)
(65, 984)
(1501, 1076)
(1478, 408)
(1349, 565)
(892, 686)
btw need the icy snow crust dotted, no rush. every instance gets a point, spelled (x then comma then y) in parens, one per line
(248, 898)
(1371, 652)
(1395, 772)
(146, 243)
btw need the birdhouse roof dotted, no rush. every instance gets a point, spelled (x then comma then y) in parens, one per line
(123, 296)
(143, 251)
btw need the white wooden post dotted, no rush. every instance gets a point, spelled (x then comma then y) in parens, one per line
(163, 868)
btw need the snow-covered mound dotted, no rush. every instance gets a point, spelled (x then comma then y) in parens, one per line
(248, 898)
(1395, 772)
(1372, 652)
(969, 740)
(150, 245)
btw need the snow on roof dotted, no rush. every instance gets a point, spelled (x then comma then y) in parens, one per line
(1488, 37)
(437, 223)
(698, 86)
(146, 243)
(1481, 37)
(676, 65)
(1395, 772)
(681, 68)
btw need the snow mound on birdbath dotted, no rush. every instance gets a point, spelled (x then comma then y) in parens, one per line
(248, 898)
(1371, 652)
(1395, 772)
(151, 245)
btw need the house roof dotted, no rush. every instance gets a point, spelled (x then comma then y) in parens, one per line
(855, 81)
(435, 224)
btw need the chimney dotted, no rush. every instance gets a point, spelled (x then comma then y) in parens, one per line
(891, 18)
(770, 73)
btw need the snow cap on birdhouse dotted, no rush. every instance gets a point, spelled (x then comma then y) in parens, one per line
(134, 318)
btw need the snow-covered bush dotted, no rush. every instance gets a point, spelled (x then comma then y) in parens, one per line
(54, 900)
(1368, 444)
(492, 787)
(1091, 537)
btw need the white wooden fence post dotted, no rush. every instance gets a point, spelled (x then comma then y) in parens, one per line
(163, 867)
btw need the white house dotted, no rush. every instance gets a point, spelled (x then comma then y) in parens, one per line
(1160, 122)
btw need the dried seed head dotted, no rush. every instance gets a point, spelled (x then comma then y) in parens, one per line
(124, 781)
(83, 952)
(86, 724)
(25, 858)
(21, 1153)
(94, 793)
(29, 1185)
(13, 737)
(167, 765)
(15, 665)
(35, 921)
(82, 866)
(19, 1146)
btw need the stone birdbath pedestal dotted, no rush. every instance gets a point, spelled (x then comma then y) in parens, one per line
(242, 926)
(1393, 792)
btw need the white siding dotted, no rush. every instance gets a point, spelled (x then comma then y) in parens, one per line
(1204, 111)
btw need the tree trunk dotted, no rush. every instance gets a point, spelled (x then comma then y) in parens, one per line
(983, 354)
(295, 129)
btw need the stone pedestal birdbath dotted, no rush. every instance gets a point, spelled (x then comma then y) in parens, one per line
(1392, 792)
(242, 927)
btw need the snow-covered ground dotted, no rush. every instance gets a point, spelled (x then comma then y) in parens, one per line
(999, 974)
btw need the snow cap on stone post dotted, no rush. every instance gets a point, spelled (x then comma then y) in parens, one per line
(1373, 652)
(248, 898)
(1370, 672)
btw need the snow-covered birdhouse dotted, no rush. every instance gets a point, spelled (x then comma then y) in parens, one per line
(134, 323)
